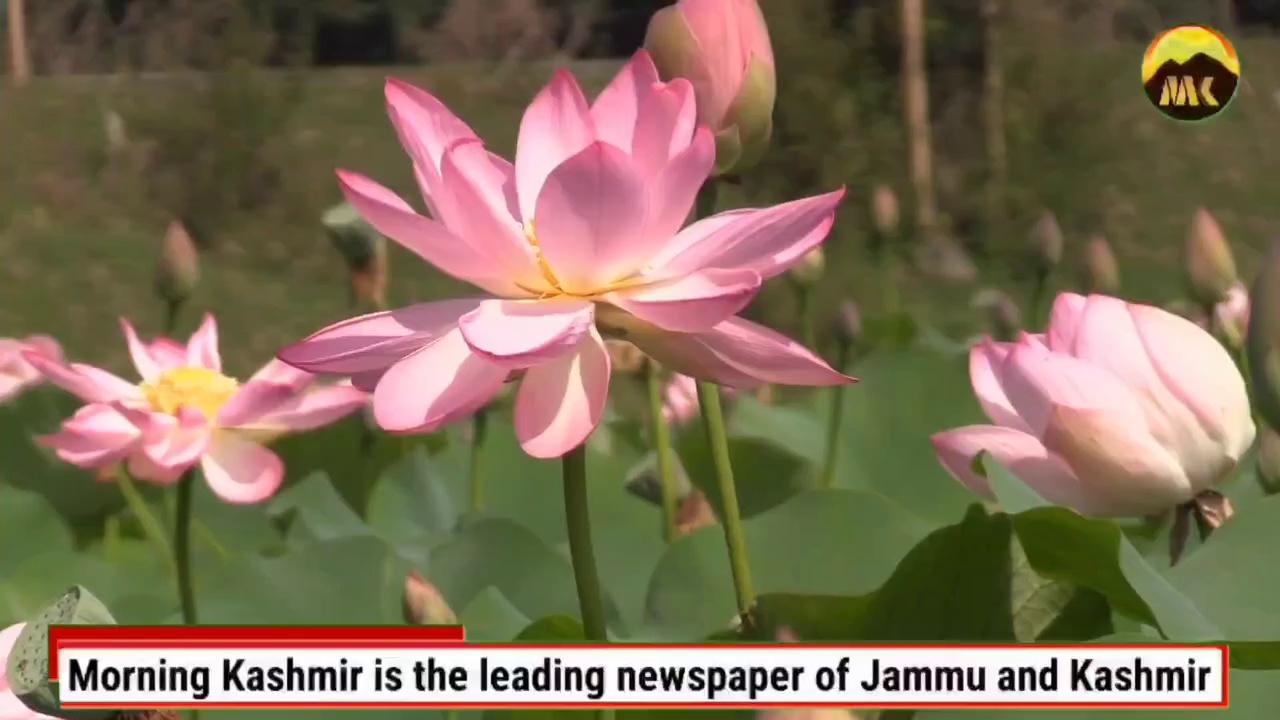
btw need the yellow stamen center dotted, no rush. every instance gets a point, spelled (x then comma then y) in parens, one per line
(550, 277)
(203, 389)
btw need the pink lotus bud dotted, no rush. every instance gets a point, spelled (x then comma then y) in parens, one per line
(1230, 320)
(1210, 266)
(884, 210)
(1101, 271)
(1047, 242)
(178, 269)
(423, 603)
(849, 323)
(722, 47)
(1116, 410)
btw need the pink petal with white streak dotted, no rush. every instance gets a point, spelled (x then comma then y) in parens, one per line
(561, 402)
(241, 471)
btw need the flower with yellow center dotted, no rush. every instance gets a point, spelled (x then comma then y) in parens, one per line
(187, 412)
(200, 388)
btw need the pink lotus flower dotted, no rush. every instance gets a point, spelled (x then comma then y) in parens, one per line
(16, 374)
(186, 411)
(11, 708)
(1118, 410)
(582, 235)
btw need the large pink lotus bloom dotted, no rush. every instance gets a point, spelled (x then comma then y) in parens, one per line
(16, 374)
(187, 412)
(11, 708)
(1117, 410)
(581, 235)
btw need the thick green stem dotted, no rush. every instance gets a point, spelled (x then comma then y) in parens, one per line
(662, 447)
(151, 525)
(479, 427)
(580, 550)
(730, 516)
(834, 420)
(182, 548)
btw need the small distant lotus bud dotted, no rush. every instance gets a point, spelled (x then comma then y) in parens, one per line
(1047, 241)
(623, 356)
(1230, 320)
(809, 270)
(884, 210)
(722, 47)
(1210, 266)
(1262, 343)
(178, 268)
(1102, 272)
(113, 125)
(1002, 312)
(1182, 308)
(423, 603)
(849, 324)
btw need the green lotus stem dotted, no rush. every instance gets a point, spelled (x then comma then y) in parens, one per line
(151, 525)
(1039, 290)
(578, 518)
(662, 447)
(730, 516)
(804, 296)
(834, 419)
(182, 548)
(479, 427)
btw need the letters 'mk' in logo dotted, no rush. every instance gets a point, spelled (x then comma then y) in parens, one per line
(1190, 72)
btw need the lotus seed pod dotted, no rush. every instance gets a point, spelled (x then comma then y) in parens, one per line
(1210, 267)
(27, 670)
(354, 239)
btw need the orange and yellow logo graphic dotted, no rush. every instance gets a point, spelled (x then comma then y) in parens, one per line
(1190, 72)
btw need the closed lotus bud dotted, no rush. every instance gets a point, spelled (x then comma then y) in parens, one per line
(1046, 242)
(623, 356)
(1263, 341)
(884, 210)
(849, 323)
(1230, 319)
(809, 270)
(178, 269)
(423, 603)
(1210, 266)
(722, 48)
(1003, 315)
(1102, 272)
(1117, 410)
